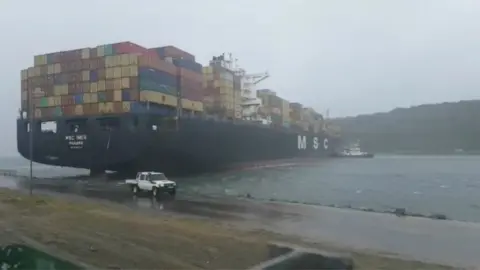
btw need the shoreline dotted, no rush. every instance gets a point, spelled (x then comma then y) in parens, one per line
(69, 224)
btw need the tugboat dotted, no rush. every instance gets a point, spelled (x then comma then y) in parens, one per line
(354, 152)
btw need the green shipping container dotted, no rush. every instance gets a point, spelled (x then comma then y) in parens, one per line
(108, 49)
(57, 111)
(44, 102)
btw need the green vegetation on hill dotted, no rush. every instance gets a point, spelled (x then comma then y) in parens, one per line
(425, 129)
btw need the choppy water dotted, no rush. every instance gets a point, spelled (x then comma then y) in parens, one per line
(448, 185)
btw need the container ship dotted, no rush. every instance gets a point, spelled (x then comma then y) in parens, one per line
(126, 108)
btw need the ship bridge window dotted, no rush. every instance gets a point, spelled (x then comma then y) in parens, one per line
(48, 127)
(77, 125)
(109, 123)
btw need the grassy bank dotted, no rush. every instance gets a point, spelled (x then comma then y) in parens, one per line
(107, 235)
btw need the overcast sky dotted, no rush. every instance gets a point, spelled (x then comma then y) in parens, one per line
(350, 57)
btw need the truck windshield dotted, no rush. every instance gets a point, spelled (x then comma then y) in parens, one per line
(159, 176)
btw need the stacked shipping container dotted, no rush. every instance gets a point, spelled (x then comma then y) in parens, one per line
(115, 78)
(222, 91)
(189, 76)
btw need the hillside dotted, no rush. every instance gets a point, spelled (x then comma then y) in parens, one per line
(424, 129)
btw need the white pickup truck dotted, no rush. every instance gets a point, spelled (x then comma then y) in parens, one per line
(154, 182)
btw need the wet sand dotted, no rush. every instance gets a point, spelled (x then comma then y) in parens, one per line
(376, 241)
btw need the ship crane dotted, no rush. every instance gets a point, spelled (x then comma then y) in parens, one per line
(250, 103)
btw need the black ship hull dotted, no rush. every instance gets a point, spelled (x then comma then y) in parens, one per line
(186, 146)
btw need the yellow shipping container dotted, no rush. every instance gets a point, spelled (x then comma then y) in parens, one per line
(86, 75)
(110, 61)
(133, 59)
(117, 95)
(129, 71)
(117, 72)
(100, 51)
(124, 60)
(192, 105)
(109, 73)
(87, 98)
(33, 72)
(125, 83)
(57, 101)
(94, 87)
(105, 107)
(93, 97)
(61, 89)
(101, 86)
(126, 106)
(57, 68)
(159, 98)
(51, 69)
(39, 60)
(86, 53)
(78, 109)
(207, 70)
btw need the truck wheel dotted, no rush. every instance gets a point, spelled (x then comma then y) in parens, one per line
(135, 189)
(155, 192)
(173, 193)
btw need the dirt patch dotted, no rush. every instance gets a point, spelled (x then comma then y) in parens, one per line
(115, 236)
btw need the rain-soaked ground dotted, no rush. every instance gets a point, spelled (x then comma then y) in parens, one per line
(441, 241)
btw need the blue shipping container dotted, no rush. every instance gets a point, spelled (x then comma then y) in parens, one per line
(78, 99)
(157, 76)
(93, 76)
(102, 96)
(188, 64)
(126, 95)
(50, 58)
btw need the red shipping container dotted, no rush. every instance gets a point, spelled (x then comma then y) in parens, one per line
(70, 55)
(109, 95)
(195, 95)
(117, 107)
(190, 75)
(102, 74)
(75, 77)
(68, 100)
(109, 85)
(128, 47)
(68, 110)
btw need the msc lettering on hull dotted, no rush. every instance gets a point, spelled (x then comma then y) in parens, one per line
(302, 143)
(75, 141)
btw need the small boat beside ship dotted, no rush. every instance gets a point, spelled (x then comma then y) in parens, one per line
(354, 151)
